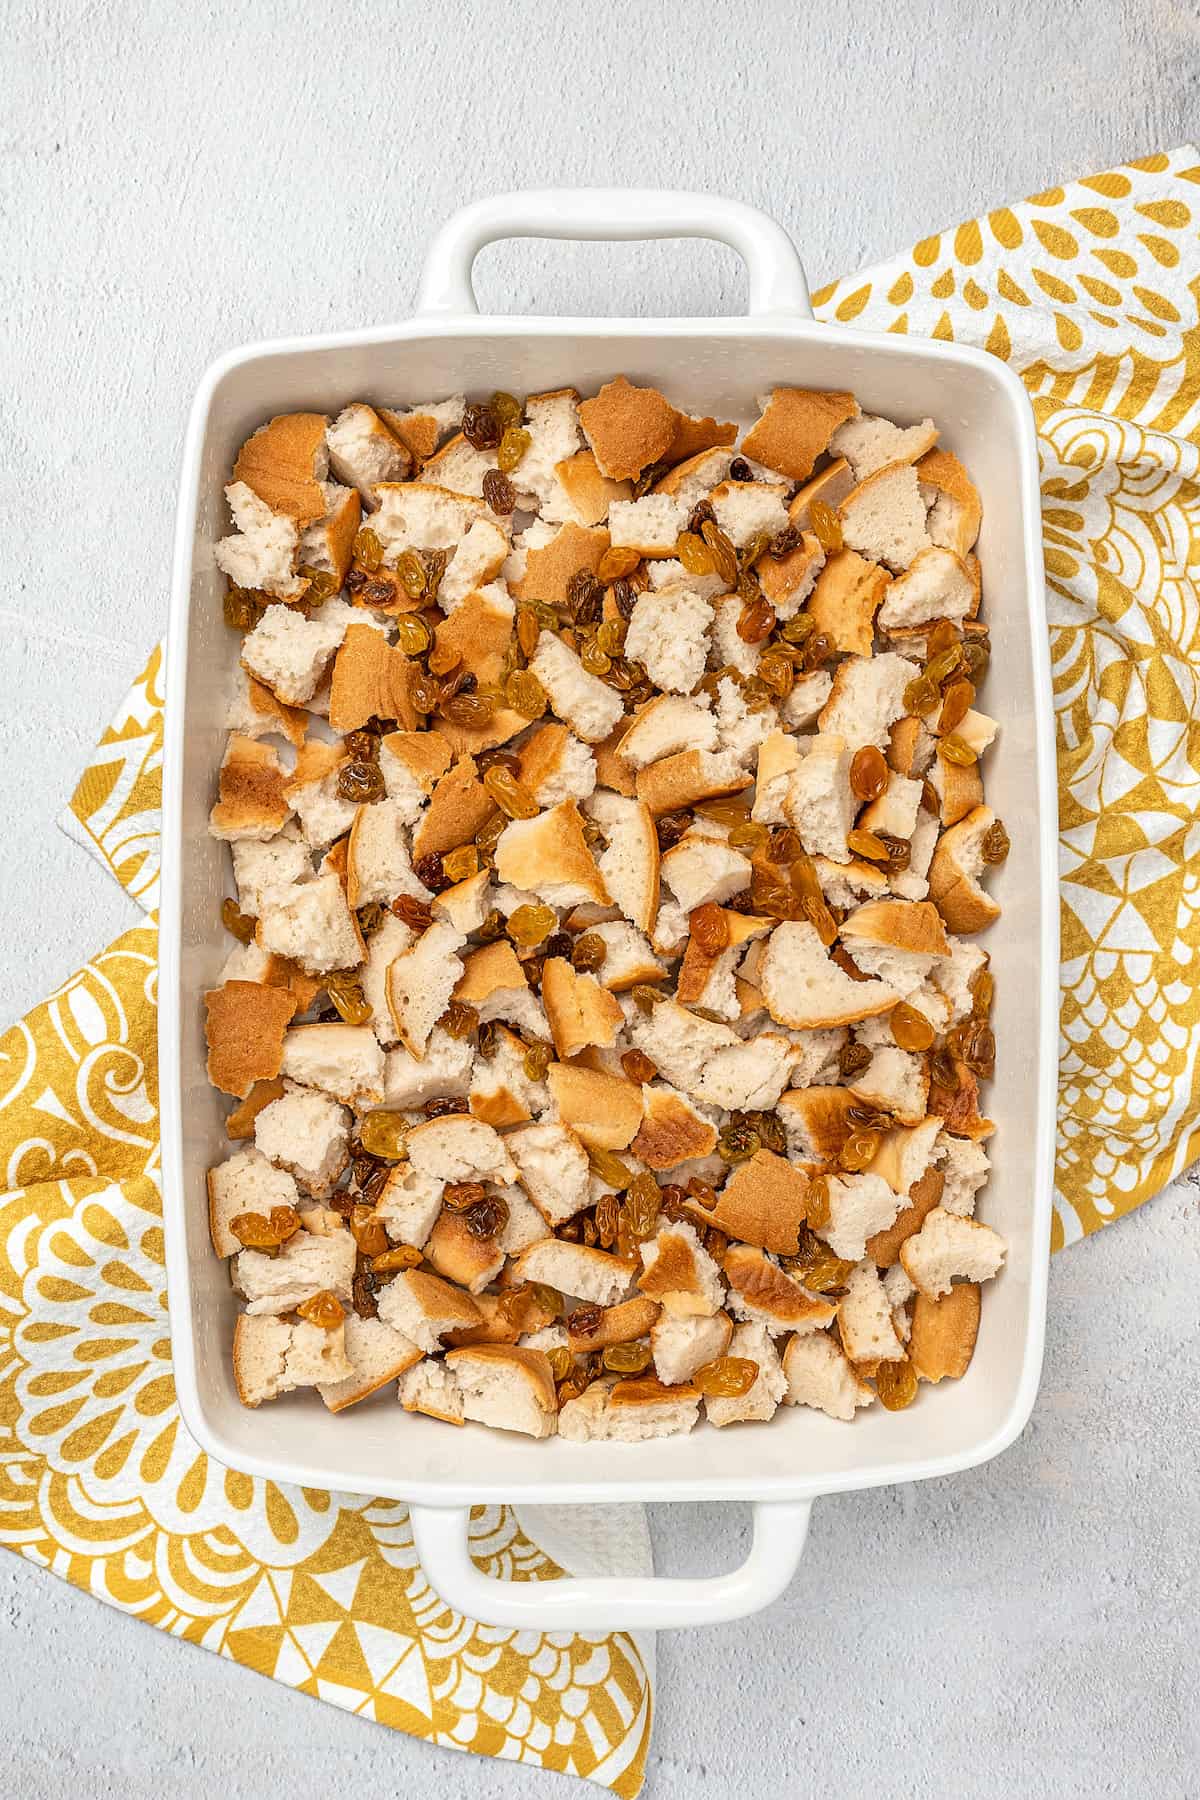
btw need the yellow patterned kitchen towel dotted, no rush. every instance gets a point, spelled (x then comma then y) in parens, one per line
(1093, 293)
(100, 1482)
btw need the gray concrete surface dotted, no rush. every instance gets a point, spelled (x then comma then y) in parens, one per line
(175, 179)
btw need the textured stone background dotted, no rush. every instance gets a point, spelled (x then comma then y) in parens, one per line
(179, 178)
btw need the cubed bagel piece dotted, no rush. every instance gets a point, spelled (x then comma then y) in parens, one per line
(668, 634)
(412, 763)
(778, 758)
(949, 1248)
(727, 649)
(830, 487)
(820, 1375)
(383, 947)
(308, 1134)
(804, 988)
(693, 479)
(328, 546)
(741, 729)
(506, 1387)
(794, 428)
(459, 807)
(763, 1293)
(245, 1023)
(650, 525)
(746, 509)
(846, 597)
(604, 1111)
(955, 870)
(942, 1340)
(694, 435)
(923, 1193)
(580, 493)
(244, 1183)
(859, 1206)
(708, 978)
(431, 1388)
(629, 1412)
(588, 706)
(239, 1124)
(869, 443)
(408, 1205)
(883, 518)
(958, 787)
(422, 428)
(896, 1081)
(957, 975)
(896, 810)
(262, 868)
(254, 712)
(364, 452)
(312, 792)
(818, 801)
(679, 1043)
(501, 1093)
(629, 863)
(575, 1269)
(420, 983)
(788, 580)
(453, 1251)
(751, 1342)
(420, 515)
(466, 905)
(285, 463)
(624, 1323)
(460, 1148)
(703, 871)
(552, 1166)
(955, 511)
(936, 585)
(684, 780)
(549, 856)
(628, 428)
(458, 465)
(866, 699)
(303, 1266)
(343, 1060)
(423, 1308)
(679, 1273)
(261, 553)
(494, 984)
(553, 557)
(671, 1130)
(252, 803)
(555, 766)
(864, 1316)
(965, 1168)
(681, 1343)
(314, 926)
(910, 747)
(802, 707)
(897, 941)
(764, 1202)
(579, 1010)
(629, 960)
(290, 653)
(666, 725)
(817, 1122)
(273, 1356)
(377, 1354)
(848, 884)
(511, 1316)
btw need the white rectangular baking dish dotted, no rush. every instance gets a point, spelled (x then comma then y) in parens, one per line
(710, 365)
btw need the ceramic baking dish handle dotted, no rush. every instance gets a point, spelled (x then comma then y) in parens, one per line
(611, 1602)
(777, 283)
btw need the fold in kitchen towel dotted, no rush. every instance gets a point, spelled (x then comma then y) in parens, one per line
(1092, 292)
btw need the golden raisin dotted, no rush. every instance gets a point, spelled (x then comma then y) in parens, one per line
(346, 993)
(756, 620)
(404, 1256)
(367, 549)
(710, 928)
(443, 659)
(737, 1142)
(461, 864)
(561, 1362)
(499, 493)
(537, 1060)
(617, 563)
(723, 553)
(957, 703)
(468, 709)
(512, 447)
(859, 1151)
(778, 671)
(239, 924)
(509, 794)
(995, 845)
(459, 1020)
(259, 1231)
(920, 695)
(749, 835)
(627, 1359)
(817, 1203)
(896, 1384)
(910, 1028)
(595, 660)
(384, 1134)
(412, 912)
(943, 663)
(528, 925)
(956, 750)
(726, 1378)
(694, 553)
(368, 1231)
(983, 988)
(638, 1066)
(242, 610)
(826, 526)
(868, 773)
(506, 408)
(641, 1206)
(528, 630)
(798, 629)
(611, 1170)
(525, 694)
(822, 1272)
(323, 1309)
(360, 782)
(868, 844)
(589, 953)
